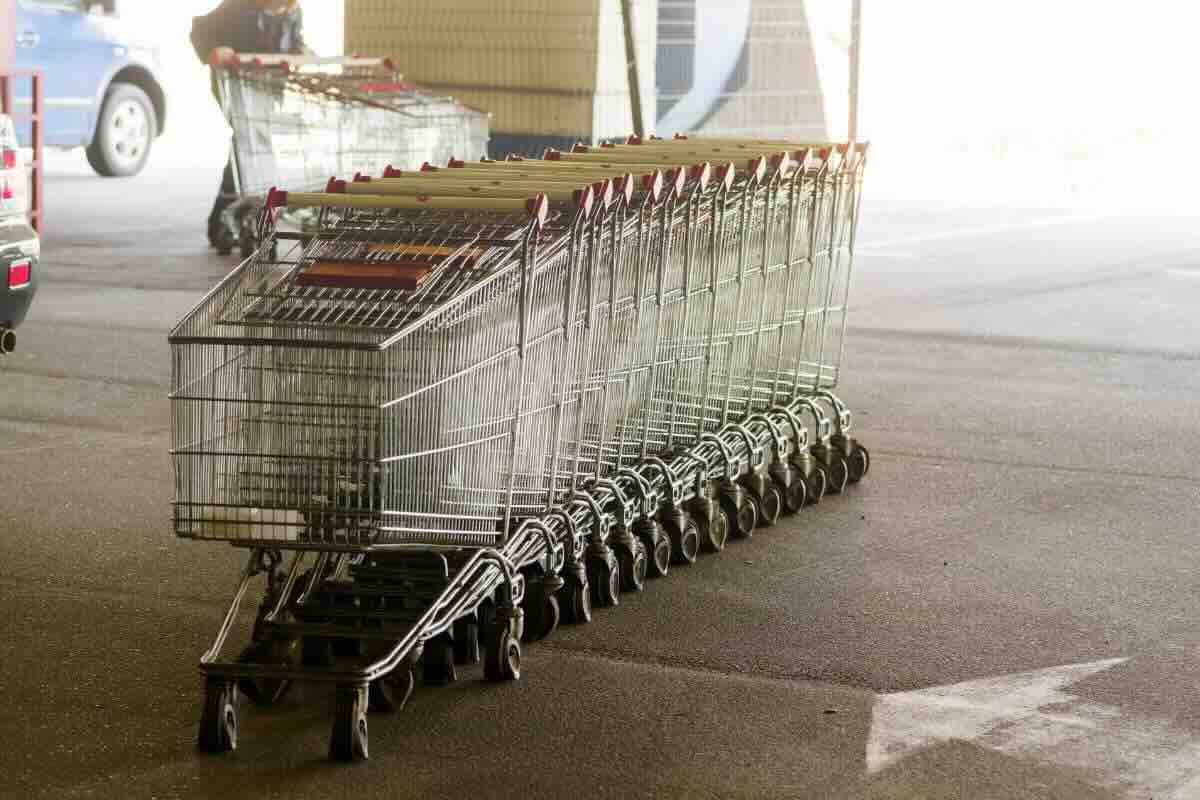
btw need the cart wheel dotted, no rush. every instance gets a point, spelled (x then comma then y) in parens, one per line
(794, 493)
(542, 619)
(466, 642)
(349, 739)
(742, 515)
(657, 545)
(860, 463)
(577, 602)
(684, 535)
(604, 575)
(438, 662)
(838, 474)
(503, 659)
(818, 481)
(769, 507)
(634, 566)
(534, 606)
(265, 691)
(392, 692)
(218, 720)
(713, 532)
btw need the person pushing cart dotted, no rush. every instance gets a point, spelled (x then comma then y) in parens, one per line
(244, 26)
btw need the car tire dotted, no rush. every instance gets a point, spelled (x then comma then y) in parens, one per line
(125, 133)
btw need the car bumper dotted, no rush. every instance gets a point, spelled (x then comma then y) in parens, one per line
(18, 242)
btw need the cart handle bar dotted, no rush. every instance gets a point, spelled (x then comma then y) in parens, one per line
(537, 206)
(286, 61)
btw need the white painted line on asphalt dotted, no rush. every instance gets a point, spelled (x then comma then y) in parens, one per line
(982, 230)
(1029, 715)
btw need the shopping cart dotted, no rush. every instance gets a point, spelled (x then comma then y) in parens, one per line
(478, 399)
(297, 120)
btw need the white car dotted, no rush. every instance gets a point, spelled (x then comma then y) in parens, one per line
(20, 248)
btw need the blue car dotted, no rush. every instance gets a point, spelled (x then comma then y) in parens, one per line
(102, 87)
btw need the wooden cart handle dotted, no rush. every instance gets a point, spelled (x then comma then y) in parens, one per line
(536, 206)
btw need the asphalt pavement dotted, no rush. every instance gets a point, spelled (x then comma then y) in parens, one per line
(1005, 607)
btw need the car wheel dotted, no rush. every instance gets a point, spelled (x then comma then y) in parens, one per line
(125, 133)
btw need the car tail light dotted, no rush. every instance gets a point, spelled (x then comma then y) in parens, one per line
(6, 191)
(20, 273)
(10, 159)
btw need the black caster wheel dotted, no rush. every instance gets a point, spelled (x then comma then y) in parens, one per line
(577, 602)
(502, 661)
(795, 493)
(769, 506)
(658, 546)
(742, 515)
(542, 612)
(634, 566)
(349, 739)
(266, 691)
(713, 532)
(859, 463)
(466, 642)
(838, 474)
(604, 575)
(392, 692)
(438, 662)
(818, 482)
(684, 536)
(218, 720)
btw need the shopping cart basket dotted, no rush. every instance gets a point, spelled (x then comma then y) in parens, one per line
(297, 120)
(477, 398)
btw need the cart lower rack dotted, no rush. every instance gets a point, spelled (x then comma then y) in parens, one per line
(483, 397)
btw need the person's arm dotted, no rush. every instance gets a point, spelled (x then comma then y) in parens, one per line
(216, 35)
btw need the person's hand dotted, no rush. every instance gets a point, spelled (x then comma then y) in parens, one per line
(221, 55)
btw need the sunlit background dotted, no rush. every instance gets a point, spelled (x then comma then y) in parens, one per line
(1035, 102)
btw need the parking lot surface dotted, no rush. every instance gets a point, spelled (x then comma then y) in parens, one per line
(1005, 607)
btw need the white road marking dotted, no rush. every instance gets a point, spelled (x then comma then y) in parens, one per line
(982, 230)
(1030, 715)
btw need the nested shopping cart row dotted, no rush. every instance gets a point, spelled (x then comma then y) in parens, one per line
(586, 366)
(297, 120)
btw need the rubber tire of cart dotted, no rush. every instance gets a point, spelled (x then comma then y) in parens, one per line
(438, 662)
(466, 641)
(604, 575)
(769, 506)
(818, 482)
(247, 243)
(795, 493)
(502, 657)
(541, 610)
(218, 718)
(392, 692)
(838, 474)
(657, 546)
(348, 741)
(714, 532)
(859, 462)
(684, 536)
(577, 602)
(742, 514)
(634, 566)
(266, 691)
